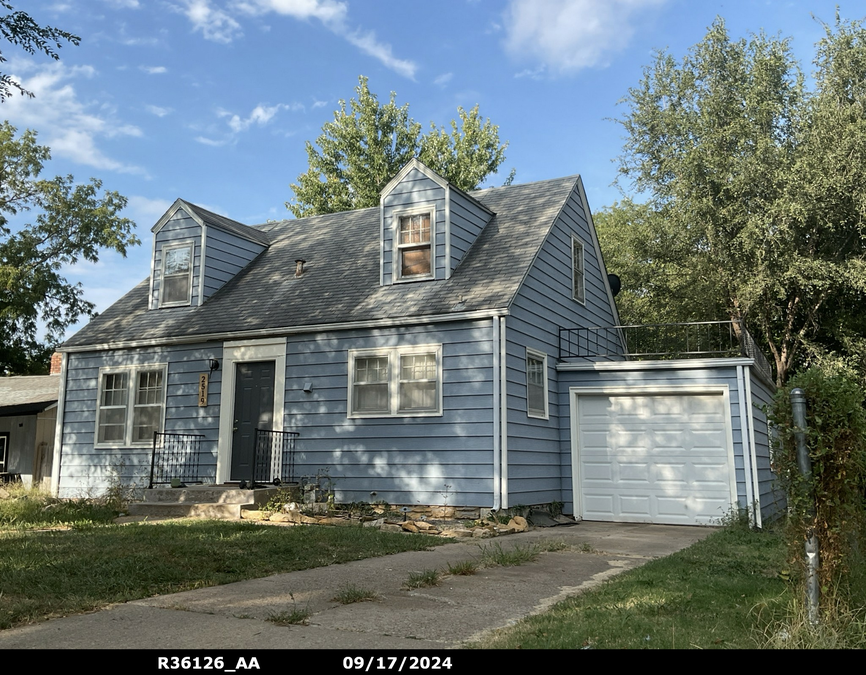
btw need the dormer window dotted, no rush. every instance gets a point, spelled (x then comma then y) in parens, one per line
(176, 284)
(415, 252)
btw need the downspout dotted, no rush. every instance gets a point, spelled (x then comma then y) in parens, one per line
(747, 451)
(58, 428)
(494, 348)
(503, 400)
(747, 374)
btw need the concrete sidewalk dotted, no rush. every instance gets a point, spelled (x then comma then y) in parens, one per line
(461, 609)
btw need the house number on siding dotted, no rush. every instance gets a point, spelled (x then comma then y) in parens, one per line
(202, 390)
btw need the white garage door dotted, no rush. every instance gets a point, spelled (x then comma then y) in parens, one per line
(653, 458)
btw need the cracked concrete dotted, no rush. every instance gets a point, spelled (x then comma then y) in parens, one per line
(460, 609)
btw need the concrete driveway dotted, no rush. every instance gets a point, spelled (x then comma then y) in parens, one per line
(461, 609)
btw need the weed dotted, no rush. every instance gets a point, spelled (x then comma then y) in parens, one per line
(586, 548)
(464, 568)
(299, 616)
(555, 508)
(351, 593)
(839, 628)
(494, 554)
(423, 579)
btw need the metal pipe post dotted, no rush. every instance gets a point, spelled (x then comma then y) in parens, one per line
(798, 409)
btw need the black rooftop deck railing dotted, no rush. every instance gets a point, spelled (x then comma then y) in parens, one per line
(178, 456)
(704, 339)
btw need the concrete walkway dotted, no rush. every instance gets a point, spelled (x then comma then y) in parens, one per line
(461, 609)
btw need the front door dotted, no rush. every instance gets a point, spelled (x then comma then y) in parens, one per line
(254, 409)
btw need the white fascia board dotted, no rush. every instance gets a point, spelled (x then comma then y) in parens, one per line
(288, 330)
(674, 364)
(58, 428)
(201, 265)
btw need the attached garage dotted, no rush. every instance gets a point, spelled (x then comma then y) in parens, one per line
(671, 442)
(653, 457)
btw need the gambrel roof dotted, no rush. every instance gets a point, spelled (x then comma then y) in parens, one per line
(341, 282)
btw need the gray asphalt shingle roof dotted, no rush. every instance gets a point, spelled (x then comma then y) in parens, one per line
(341, 279)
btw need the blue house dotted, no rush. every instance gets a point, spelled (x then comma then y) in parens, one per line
(465, 343)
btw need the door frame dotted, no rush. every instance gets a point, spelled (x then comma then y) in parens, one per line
(241, 351)
(574, 394)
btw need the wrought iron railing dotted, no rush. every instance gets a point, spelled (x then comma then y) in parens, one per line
(274, 457)
(178, 456)
(705, 339)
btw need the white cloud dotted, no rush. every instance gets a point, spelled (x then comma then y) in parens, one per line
(69, 126)
(218, 25)
(158, 111)
(443, 79)
(214, 23)
(568, 35)
(145, 210)
(368, 44)
(124, 4)
(211, 142)
(260, 116)
(319, 104)
(326, 11)
(154, 70)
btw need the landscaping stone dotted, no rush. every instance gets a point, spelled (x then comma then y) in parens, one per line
(247, 514)
(409, 526)
(519, 524)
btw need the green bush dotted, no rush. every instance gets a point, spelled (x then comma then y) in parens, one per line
(836, 440)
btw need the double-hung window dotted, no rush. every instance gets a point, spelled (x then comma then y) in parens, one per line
(176, 282)
(414, 244)
(578, 281)
(397, 381)
(536, 384)
(131, 405)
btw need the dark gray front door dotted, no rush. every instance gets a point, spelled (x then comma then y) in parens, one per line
(254, 408)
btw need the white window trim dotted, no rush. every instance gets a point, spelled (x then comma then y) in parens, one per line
(190, 246)
(398, 247)
(393, 355)
(131, 384)
(538, 356)
(575, 240)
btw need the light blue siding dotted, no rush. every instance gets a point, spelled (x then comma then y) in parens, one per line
(225, 255)
(85, 468)
(543, 305)
(772, 498)
(414, 190)
(404, 460)
(468, 218)
(181, 228)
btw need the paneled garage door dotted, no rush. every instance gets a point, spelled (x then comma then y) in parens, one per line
(653, 458)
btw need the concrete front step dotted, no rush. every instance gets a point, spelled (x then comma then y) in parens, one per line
(210, 494)
(167, 510)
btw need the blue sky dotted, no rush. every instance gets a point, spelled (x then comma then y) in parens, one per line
(214, 100)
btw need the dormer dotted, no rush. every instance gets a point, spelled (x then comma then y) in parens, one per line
(427, 226)
(195, 253)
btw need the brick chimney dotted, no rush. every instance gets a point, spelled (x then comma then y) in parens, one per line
(56, 362)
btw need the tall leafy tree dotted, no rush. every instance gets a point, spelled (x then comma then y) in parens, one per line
(754, 205)
(367, 143)
(19, 29)
(72, 222)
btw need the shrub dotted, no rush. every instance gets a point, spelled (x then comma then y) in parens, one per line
(836, 441)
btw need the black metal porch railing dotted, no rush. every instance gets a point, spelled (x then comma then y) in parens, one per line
(274, 457)
(178, 456)
(705, 339)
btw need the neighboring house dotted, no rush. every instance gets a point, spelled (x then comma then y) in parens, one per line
(415, 348)
(28, 411)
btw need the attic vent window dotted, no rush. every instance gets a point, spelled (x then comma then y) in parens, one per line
(299, 267)
(414, 246)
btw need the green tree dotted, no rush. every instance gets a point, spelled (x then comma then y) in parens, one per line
(72, 223)
(19, 29)
(755, 192)
(367, 143)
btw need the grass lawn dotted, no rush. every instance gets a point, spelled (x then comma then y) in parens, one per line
(45, 574)
(714, 594)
